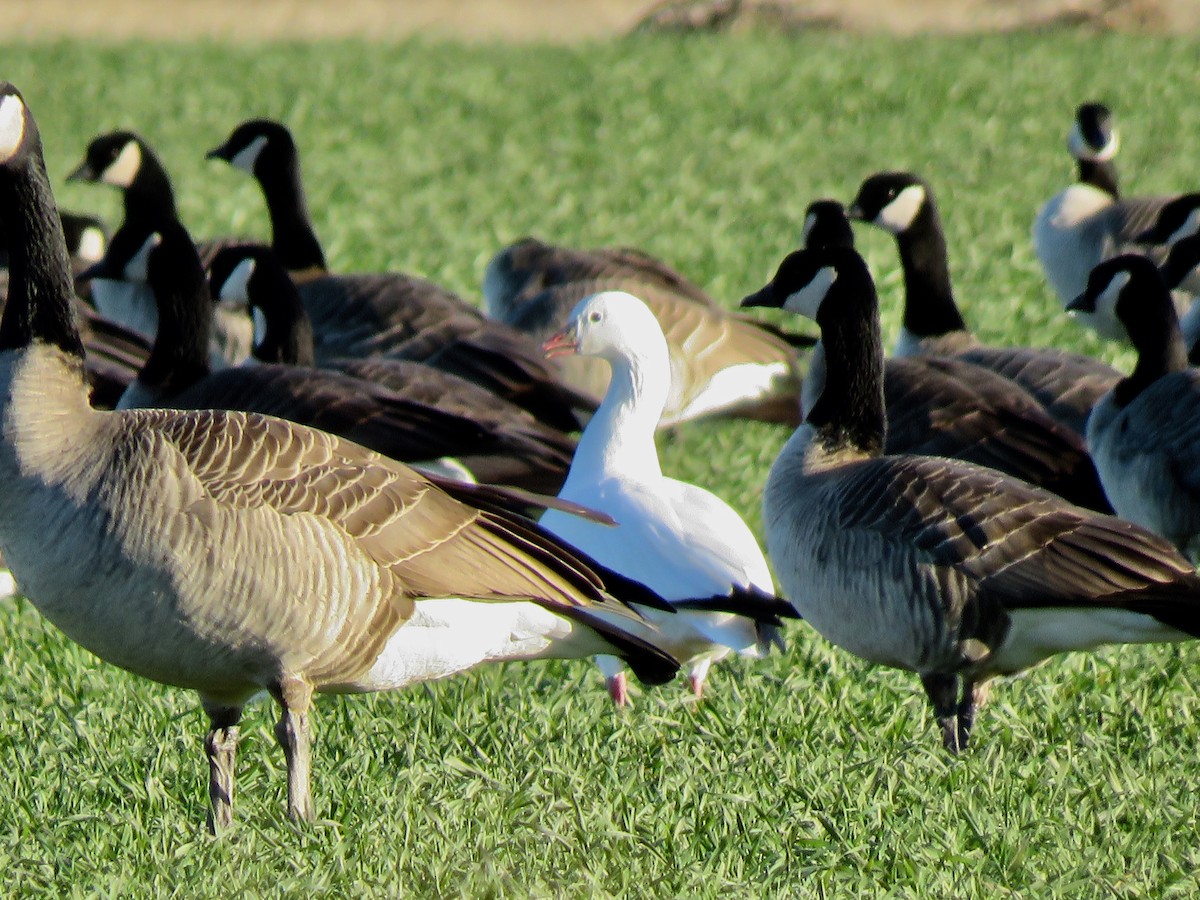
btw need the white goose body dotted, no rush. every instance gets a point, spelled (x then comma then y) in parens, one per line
(677, 538)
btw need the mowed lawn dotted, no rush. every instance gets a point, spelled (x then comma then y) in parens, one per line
(810, 774)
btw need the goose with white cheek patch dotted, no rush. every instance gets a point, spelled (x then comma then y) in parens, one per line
(679, 539)
(1066, 384)
(232, 554)
(1144, 434)
(950, 570)
(392, 314)
(943, 406)
(1090, 221)
(124, 160)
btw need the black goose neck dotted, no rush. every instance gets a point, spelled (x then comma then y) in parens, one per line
(293, 237)
(1160, 347)
(179, 356)
(40, 306)
(150, 197)
(849, 412)
(288, 336)
(929, 306)
(1102, 175)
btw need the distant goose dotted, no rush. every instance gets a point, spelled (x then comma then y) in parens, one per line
(943, 406)
(231, 554)
(391, 313)
(124, 160)
(177, 374)
(677, 538)
(1144, 434)
(1178, 218)
(1066, 384)
(940, 567)
(1090, 221)
(513, 446)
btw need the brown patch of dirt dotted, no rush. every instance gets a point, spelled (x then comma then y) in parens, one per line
(567, 20)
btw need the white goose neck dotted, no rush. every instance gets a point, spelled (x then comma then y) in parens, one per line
(620, 436)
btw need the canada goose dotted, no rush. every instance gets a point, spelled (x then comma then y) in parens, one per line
(722, 363)
(512, 446)
(388, 314)
(231, 554)
(942, 406)
(1089, 221)
(1178, 218)
(940, 567)
(677, 538)
(1066, 384)
(177, 375)
(124, 160)
(1144, 434)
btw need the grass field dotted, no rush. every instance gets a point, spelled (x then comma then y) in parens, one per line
(808, 775)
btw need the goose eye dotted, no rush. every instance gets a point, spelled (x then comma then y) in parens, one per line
(593, 316)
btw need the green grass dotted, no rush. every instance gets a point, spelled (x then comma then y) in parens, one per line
(810, 774)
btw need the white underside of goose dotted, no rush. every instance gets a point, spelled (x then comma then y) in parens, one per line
(447, 636)
(1070, 239)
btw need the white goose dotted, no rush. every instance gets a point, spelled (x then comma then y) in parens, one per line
(1144, 434)
(681, 540)
(232, 553)
(940, 567)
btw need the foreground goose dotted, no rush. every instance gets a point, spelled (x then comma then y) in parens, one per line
(941, 406)
(1145, 433)
(177, 374)
(1089, 221)
(1066, 384)
(124, 160)
(231, 554)
(940, 567)
(391, 313)
(508, 445)
(679, 539)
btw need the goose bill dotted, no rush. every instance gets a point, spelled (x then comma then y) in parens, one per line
(562, 344)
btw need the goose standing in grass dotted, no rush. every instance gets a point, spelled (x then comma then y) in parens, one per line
(950, 570)
(1066, 384)
(722, 363)
(942, 406)
(679, 539)
(177, 374)
(124, 160)
(1089, 221)
(391, 313)
(1145, 433)
(232, 554)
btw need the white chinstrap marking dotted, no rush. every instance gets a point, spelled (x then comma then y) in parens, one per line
(807, 300)
(122, 170)
(898, 215)
(1082, 150)
(12, 126)
(245, 158)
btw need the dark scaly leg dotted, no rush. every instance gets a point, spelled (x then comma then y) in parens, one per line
(942, 691)
(220, 745)
(974, 695)
(295, 696)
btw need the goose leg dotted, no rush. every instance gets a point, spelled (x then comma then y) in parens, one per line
(295, 696)
(942, 691)
(974, 695)
(220, 745)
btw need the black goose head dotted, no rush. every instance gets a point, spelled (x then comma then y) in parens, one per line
(252, 274)
(826, 225)
(1093, 136)
(891, 200)
(115, 158)
(1130, 287)
(1178, 219)
(255, 144)
(805, 278)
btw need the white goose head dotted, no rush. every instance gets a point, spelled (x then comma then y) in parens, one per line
(615, 326)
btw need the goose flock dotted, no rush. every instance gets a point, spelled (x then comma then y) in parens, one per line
(225, 468)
